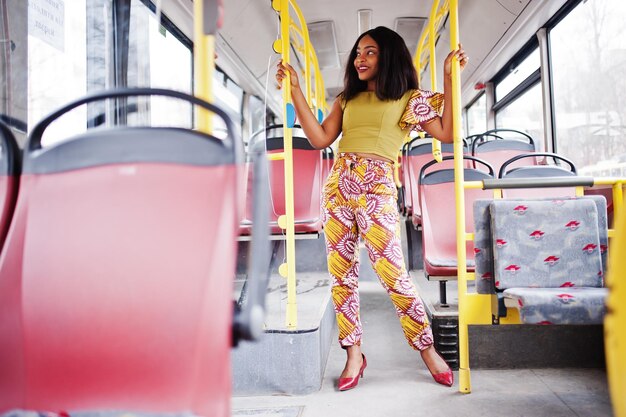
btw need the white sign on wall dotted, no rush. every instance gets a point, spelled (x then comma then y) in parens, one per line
(46, 21)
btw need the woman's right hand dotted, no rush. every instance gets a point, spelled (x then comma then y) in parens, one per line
(281, 74)
(460, 56)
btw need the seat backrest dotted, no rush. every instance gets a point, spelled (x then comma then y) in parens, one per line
(483, 247)
(505, 133)
(532, 170)
(540, 243)
(307, 181)
(419, 155)
(497, 152)
(115, 283)
(10, 161)
(438, 217)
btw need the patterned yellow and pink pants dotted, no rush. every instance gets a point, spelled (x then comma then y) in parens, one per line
(359, 200)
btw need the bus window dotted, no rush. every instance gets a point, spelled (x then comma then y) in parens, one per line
(477, 116)
(153, 47)
(589, 79)
(13, 64)
(229, 97)
(256, 115)
(518, 74)
(525, 113)
(59, 72)
(57, 67)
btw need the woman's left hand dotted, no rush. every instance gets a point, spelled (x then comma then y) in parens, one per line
(460, 55)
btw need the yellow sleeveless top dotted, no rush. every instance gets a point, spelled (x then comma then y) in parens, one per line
(379, 127)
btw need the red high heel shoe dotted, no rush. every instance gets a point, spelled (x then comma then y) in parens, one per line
(444, 378)
(349, 383)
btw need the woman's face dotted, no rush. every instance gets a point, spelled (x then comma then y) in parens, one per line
(366, 61)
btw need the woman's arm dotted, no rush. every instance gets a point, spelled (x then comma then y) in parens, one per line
(319, 135)
(441, 127)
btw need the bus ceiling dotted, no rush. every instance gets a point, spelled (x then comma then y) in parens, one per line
(244, 44)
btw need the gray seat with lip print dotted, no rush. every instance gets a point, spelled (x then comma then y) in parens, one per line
(546, 257)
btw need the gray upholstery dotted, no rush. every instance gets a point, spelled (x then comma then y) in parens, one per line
(559, 305)
(548, 256)
(483, 253)
(539, 243)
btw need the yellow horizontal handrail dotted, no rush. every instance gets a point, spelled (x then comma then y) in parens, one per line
(277, 156)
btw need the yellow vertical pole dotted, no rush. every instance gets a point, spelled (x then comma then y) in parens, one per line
(282, 46)
(307, 65)
(615, 320)
(304, 33)
(320, 97)
(433, 67)
(464, 372)
(618, 199)
(431, 51)
(418, 56)
(417, 60)
(316, 85)
(204, 67)
(304, 49)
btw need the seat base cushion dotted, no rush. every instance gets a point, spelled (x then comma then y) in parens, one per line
(576, 305)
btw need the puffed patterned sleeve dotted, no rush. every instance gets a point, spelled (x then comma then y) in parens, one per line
(422, 107)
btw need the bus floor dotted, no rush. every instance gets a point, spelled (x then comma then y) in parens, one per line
(397, 383)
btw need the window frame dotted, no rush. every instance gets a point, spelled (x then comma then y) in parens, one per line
(530, 81)
(528, 48)
(549, 26)
(469, 106)
(171, 27)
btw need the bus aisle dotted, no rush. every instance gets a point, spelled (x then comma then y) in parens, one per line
(396, 383)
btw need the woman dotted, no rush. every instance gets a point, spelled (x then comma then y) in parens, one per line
(380, 103)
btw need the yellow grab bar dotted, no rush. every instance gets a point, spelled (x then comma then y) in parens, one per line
(204, 67)
(282, 46)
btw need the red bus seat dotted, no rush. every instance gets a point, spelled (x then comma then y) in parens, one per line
(436, 191)
(419, 154)
(307, 182)
(115, 282)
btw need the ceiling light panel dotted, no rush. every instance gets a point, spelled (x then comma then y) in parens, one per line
(322, 35)
(410, 28)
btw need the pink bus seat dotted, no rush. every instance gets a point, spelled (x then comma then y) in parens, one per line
(9, 172)
(405, 172)
(245, 223)
(533, 169)
(115, 282)
(497, 146)
(307, 185)
(419, 155)
(436, 187)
